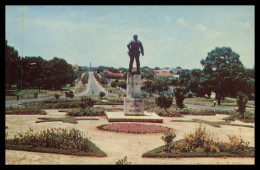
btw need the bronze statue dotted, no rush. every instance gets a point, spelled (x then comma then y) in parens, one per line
(134, 52)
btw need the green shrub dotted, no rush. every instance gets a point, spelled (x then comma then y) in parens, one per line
(102, 94)
(168, 138)
(57, 96)
(170, 112)
(113, 84)
(116, 100)
(59, 138)
(164, 101)
(241, 102)
(24, 110)
(247, 117)
(86, 102)
(179, 93)
(94, 111)
(144, 95)
(55, 140)
(201, 141)
(123, 161)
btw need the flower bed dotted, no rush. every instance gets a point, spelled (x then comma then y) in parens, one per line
(54, 140)
(133, 128)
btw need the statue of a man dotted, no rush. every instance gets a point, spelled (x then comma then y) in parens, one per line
(134, 52)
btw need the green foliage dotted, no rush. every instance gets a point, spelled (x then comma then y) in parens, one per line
(116, 100)
(86, 102)
(173, 111)
(102, 94)
(179, 93)
(57, 96)
(113, 84)
(102, 80)
(62, 139)
(20, 110)
(144, 95)
(12, 66)
(121, 84)
(201, 141)
(247, 117)
(241, 102)
(85, 78)
(204, 144)
(70, 119)
(168, 138)
(93, 111)
(160, 84)
(123, 161)
(164, 101)
(170, 112)
(225, 73)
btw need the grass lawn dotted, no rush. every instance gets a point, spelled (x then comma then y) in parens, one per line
(226, 103)
(114, 90)
(69, 119)
(29, 94)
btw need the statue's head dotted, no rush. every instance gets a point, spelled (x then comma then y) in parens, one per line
(135, 37)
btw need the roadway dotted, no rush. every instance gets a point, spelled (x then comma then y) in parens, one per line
(94, 88)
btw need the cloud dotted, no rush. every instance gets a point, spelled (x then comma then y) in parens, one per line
(200, 27)
(245, 25)
(168, 19)
(215, 33)
(182, 22)
(209, 32)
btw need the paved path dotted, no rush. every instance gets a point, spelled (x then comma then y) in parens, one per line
(94, 88)
(117, 145)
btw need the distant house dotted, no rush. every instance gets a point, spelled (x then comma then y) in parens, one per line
(76, 66)
(113, 75)
(164, 75)
(142, 82)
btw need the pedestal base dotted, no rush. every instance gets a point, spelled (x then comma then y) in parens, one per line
(133, 106)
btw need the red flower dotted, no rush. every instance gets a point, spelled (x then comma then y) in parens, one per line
(133, 128)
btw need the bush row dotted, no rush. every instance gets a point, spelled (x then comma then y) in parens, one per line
(94, 111)
(173, 111)
(25, 110)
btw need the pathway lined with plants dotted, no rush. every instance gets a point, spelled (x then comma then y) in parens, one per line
(118, 145)
(93, 86)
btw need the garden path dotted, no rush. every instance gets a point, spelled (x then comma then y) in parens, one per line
(118, 145)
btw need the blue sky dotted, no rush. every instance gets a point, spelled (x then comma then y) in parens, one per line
(171, 35)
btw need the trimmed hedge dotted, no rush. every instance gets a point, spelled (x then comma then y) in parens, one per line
(94, 111)
(20, 110)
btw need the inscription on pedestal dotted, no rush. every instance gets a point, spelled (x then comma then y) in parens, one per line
(133, 106)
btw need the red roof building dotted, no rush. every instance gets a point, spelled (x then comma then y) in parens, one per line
(164, 74)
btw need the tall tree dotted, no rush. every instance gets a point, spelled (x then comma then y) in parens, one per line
(222, 67)
(12, 65)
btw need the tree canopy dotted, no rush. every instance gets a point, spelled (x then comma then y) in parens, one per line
(224, 72)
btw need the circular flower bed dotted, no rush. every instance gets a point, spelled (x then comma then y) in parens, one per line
(133, 128)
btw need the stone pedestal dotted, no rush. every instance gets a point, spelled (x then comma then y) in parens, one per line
(133, 103)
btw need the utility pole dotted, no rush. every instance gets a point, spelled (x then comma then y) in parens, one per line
(22, 53)
(90, 66)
